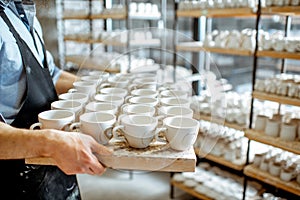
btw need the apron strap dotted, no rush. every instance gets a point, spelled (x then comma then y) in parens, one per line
(11, 29)
(16, 35)
(44, 49)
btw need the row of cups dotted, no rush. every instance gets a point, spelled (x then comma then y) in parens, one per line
(233, 108)
(138, 130)
(269, 196)
(286, 170)
(104, 116)
(277, 127)
(141, 7)
(268, 3)
(279, 43)
(204, 4)
(228, 143)
(215, 183)
(289, 88)
(121, 36)
(115, 9)
(234, 39)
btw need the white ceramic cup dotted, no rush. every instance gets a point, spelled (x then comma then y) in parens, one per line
(71, 105)
(275, 169)
(144, 93)
(99, 125)
(260, 122)
(298, 178)
(173, 101)
(230, 154)
(264, 165)
(288, 131)
(101, 107)
(293, 89)
(258, 158)
(291, 45)
(93, 79)
(173, 93)
(287, 174)
(117, 100)
(100, 75)
(118, 82)
(84, 87)
(282, 88)
(180, 132)
(138, 109)
(81, 97)
(272, 128)
(114, 91)
(259, 85)
(143, 83)
(54, 119)
(138, 130)
(143, 100)
(129, 76)
(170, 111)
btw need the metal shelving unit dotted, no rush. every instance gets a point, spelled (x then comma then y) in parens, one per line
(251, 171)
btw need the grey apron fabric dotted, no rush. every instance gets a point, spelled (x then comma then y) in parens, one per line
(18, 180)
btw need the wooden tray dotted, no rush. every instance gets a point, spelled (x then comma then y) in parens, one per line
(156, 157)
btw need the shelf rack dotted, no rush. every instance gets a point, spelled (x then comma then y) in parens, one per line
(256, 173)
(276, 98)
(117, 16)
(219, 121)
(85, 39)
(279, 54)
(259, 136)
(198, 47)
(189, 190)
(285, 10)
(148, 42)
(237, 165)
(222, 12)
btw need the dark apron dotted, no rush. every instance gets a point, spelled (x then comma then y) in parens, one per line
(18, 180)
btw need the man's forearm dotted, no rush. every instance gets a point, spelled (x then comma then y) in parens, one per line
(65, 82)
(21, 143)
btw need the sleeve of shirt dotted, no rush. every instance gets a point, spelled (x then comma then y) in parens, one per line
(2, 118)
(55, 72)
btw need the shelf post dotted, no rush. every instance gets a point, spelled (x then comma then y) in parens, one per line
(255, 60)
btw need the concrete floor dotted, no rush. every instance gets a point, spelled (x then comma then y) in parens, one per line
(116, 184)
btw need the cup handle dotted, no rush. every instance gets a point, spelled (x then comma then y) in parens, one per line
(157, 131)
(67, 127)
(74, 126)
(35, 125)
(123, 107)
(114, 132)
(132, 87)
(120, 117)
(108, 132)
(72, 90)
(159, 117)
(127, 99)
(104, 85)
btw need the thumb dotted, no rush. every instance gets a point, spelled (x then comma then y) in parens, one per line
(101, 150)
